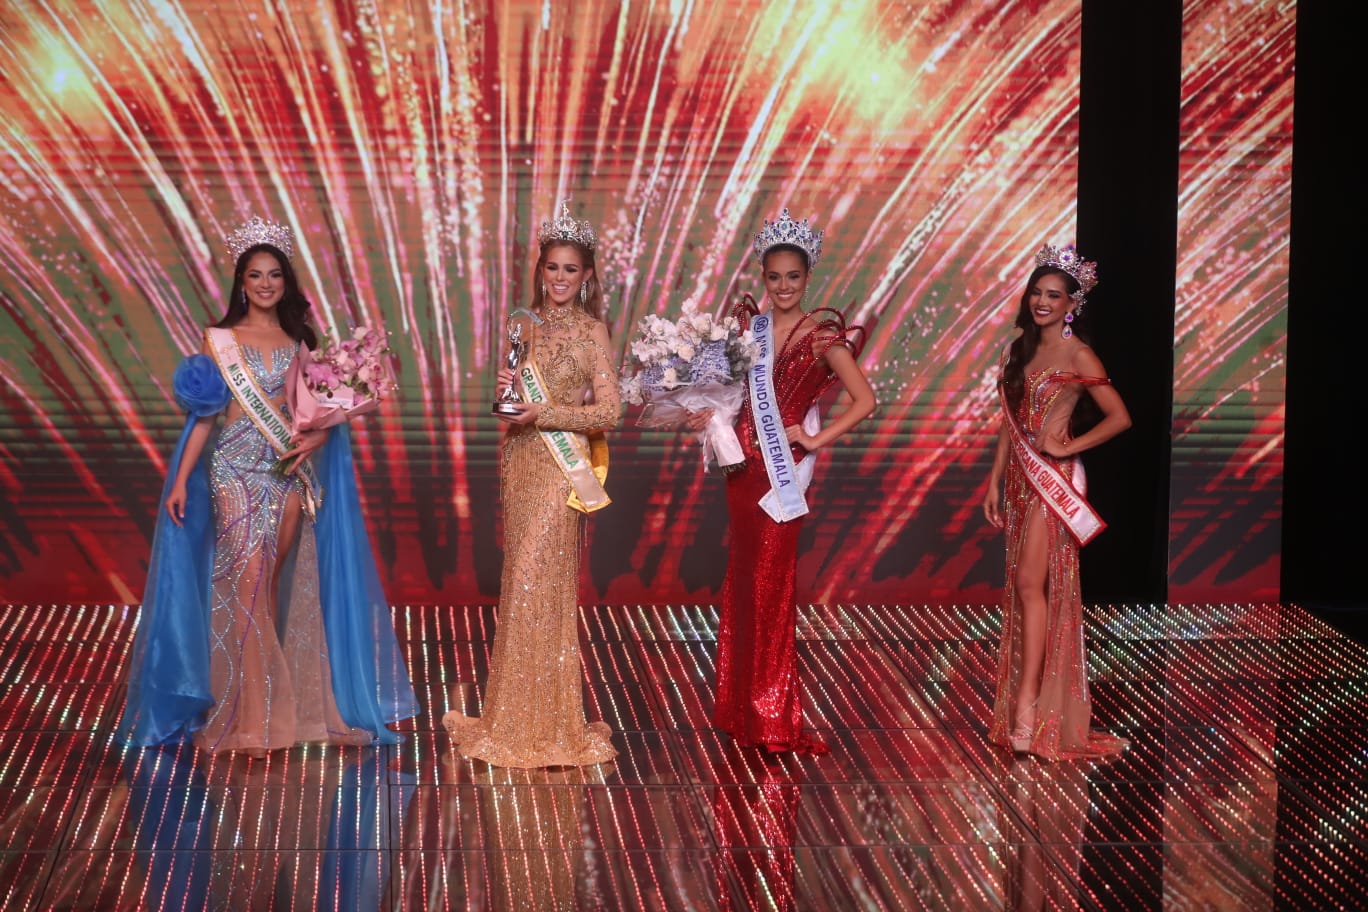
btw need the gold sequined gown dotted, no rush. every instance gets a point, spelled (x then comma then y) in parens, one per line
(533, 712)
(1064, 706)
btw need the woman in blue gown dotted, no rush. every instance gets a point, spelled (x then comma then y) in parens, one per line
(263, 623)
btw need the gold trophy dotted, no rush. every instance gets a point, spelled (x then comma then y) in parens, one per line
(508, 397)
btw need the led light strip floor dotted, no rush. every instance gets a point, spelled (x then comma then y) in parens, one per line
(1246, 786)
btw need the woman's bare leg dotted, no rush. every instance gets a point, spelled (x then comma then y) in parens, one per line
(1031, 577)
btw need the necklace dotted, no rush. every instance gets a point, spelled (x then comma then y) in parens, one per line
(558, 314)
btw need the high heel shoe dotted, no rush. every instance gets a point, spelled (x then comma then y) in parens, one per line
(804, 744)
(1023, 732)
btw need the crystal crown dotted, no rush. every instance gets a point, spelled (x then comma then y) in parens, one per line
(565, 227)
(257, 230)
(1067, 259)
(784, 230)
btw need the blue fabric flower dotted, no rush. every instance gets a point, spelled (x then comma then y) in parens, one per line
(711, 365)
(199, 386)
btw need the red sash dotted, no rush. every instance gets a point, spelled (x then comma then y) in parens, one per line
(1063, 496)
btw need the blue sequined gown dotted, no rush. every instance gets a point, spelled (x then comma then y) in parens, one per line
(259, 628)
(269, 667)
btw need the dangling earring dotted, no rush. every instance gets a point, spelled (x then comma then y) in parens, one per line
(1067, 332)
(584, 292)
(244, 301)
(543, 291)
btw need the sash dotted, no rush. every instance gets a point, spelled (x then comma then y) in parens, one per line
(787, 502)
(583, 459)
(257, 406)
(1063, 496)
(812, 423)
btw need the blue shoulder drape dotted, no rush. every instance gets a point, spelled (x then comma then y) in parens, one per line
(370, 680)
(168, 680)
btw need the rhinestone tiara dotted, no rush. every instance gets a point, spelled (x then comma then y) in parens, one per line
(257, 230)
(565, 227)
(784, 230)
(1067, 259)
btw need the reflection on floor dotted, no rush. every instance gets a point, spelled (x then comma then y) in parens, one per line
(1246, 785)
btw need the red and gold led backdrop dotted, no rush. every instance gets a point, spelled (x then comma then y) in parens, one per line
(415, 146)
(1230, 337)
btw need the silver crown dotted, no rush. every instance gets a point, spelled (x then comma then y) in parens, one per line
(785, 230)
(1067, 259)
(565, 227)
(257, 230)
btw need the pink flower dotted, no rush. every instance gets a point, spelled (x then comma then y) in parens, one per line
(357, 362)
(376, 343)
(322, 375)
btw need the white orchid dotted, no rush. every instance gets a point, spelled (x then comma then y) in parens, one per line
(674, 354)
(630, 388)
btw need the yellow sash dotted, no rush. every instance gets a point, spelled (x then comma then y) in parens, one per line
(583, 458)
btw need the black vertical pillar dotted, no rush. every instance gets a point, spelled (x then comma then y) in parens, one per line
(1325, 488)
(1127, 222)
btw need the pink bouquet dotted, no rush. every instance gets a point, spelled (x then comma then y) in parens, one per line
(339, 381)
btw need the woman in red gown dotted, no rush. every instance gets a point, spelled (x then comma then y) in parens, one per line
(759, 697)
(1042, 705)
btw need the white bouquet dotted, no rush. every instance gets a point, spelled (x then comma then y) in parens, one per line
(690, 364)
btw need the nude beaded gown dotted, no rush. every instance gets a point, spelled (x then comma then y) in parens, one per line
(1064, 707)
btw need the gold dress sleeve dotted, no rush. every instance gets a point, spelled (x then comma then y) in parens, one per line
(605, 411)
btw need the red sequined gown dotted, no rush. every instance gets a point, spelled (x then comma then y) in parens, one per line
(1064, 706)
(759, 697)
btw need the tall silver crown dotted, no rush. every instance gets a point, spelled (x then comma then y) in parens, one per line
(1067, 259)
(257, 230)
(565, 227)
(784, 230)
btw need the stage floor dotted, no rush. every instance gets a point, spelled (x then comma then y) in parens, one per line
(1245, 787)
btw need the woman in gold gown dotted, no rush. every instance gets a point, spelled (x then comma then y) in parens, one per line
(1037, 494)
(550, 476)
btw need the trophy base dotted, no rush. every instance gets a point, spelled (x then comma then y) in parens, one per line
(509, 409)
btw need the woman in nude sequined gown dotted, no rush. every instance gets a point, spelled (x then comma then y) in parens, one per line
(232, 646)
(759, 695)
(533, 709)
(1042, 705)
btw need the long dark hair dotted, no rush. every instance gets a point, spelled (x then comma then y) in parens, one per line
(593, 306)
(293, 308)
(1026, 343)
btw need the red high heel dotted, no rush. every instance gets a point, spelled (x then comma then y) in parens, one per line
(803, 744)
